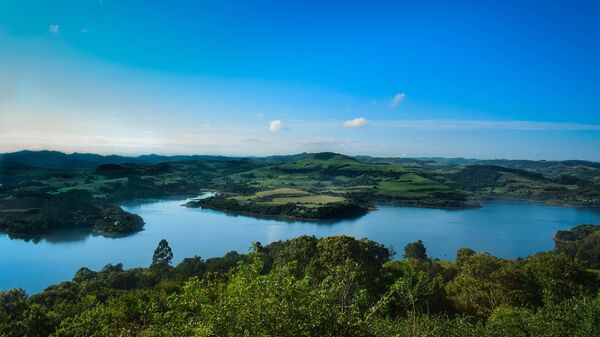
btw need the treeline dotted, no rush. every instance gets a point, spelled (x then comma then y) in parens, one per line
(475, 177)
(335, 286)
(426, 198)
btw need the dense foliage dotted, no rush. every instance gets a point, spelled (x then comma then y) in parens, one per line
(583, 242)
(335, 286)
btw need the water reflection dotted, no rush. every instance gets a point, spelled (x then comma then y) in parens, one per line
(68, 235)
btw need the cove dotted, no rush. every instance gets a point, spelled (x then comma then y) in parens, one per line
(502, 228)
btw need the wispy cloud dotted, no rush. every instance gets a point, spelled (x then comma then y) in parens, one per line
(276, 125)
(54, 29)
(397, 99)
(355, 123)
(84, 30)
(452, 124)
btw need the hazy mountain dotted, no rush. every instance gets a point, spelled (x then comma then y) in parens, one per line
(59, 160)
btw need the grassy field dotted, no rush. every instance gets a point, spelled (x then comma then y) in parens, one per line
(282, 196)
(282, 192)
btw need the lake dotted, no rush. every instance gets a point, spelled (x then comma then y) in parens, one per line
(505, 229)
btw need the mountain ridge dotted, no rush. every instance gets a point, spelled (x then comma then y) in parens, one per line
(51, 159)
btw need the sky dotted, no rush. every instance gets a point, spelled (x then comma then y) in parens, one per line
(476, 79)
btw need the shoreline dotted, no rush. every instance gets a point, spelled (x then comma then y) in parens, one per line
(191, 197)
(276, 216)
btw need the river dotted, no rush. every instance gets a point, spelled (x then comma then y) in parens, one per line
(502, 228)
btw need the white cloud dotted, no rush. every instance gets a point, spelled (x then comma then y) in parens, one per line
(276, 125)
(54, 29)
(355, 123)
(397, 99)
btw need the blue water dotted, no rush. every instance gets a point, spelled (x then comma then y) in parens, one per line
(505, 229)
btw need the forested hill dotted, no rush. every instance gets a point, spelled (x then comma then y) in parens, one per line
(334, 286)
(60, 160)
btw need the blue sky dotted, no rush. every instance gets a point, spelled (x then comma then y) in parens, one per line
(487, 79)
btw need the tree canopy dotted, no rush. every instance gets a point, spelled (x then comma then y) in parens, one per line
(415, 250)
(162, 254)
(334, 286)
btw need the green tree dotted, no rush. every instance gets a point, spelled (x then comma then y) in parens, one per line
(508, 321)
(13, 305)
(37, 322)
(413, 289)
(84, 274)
(415, 250)
(485, 282)
(462, 255)
(558, 277)
(162, 254)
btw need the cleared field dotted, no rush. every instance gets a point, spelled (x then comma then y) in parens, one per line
(92, 185)
(282, 196)
(292, 192)
(311, 199)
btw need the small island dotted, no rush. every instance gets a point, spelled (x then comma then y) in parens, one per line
(286, 203)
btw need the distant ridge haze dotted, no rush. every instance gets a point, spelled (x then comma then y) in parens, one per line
(59, 160)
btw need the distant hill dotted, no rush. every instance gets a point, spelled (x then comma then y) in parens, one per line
(397, 160)
(280, 159)
(581, 169)
(27, 159)
(58, 160)
(323, 160)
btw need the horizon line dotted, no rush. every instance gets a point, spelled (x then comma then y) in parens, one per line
(289, 154)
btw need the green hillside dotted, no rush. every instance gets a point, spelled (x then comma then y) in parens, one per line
(326, 185)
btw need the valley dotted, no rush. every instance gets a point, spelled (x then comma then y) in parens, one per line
(321, 186)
